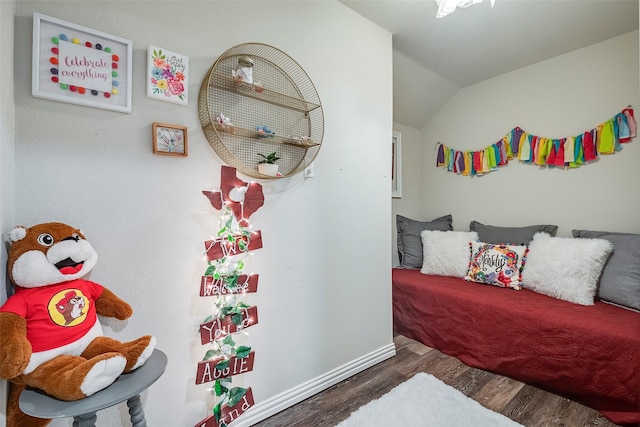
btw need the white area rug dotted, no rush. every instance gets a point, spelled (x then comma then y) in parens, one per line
(425, 401)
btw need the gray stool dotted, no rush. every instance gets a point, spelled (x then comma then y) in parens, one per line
(127, 387)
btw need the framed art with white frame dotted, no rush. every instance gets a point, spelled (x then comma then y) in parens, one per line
(169, 139)
(396, 165)
(79, 65)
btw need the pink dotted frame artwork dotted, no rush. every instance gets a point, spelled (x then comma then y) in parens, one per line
(80, 65)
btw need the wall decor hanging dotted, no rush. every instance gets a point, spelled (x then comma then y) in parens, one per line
(396, 165)
(78, 65)
(167, 75)
(169, 139)
(225, 281)
(569, 152)
(256, 100)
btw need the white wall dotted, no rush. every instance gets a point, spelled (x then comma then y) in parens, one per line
(412, 182)
(324, 295)
(560, 97)
(418, 92)
(7, 126)
(7, 145)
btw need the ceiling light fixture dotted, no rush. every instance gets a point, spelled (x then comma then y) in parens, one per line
(446, 7)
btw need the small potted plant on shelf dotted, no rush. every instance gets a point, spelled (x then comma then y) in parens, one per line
(268, 166)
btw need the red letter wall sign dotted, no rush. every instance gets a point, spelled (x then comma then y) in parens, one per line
(219, 248)
(207, 371)
(218, 328)
(229, 413)
(247, 283)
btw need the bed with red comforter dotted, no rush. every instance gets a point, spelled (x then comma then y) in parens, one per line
(588, 353)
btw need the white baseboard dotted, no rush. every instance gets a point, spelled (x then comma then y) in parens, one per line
(288, 398)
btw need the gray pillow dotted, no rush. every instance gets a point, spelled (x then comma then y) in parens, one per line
(620, 280)
(409, 240)
(510, 235)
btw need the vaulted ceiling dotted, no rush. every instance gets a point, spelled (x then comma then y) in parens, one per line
(434, 58)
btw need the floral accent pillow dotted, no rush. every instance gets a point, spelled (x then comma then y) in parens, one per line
(497, 264)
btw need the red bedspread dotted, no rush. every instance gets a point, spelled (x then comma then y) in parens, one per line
(588, 353)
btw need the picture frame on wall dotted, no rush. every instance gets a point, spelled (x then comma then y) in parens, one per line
(396, 165)
(80, 65)
(170, 140)
(167, 76)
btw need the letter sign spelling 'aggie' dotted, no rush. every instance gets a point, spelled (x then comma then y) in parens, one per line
(208, 372)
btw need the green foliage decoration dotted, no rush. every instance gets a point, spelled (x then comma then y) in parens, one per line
(228, 269)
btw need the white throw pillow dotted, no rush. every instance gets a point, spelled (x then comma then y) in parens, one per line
(446, 253)
(565, 268)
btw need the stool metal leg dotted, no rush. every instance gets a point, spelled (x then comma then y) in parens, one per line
(136, 412)
(85, 420)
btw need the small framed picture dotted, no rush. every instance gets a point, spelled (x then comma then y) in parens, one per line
(169, 139)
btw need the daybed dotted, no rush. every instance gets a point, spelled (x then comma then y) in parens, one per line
(589, 353)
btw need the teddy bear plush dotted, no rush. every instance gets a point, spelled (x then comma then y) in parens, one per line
(51, 337)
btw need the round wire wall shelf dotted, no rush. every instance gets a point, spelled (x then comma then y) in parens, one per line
(255, 100)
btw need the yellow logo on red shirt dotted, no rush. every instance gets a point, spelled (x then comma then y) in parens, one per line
(68, 307)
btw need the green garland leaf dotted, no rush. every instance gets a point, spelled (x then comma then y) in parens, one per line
(231, 281)
(243, 351)
(236, 319)
(219, 388)
(235, 394)
(222, 365)
(217, 411)
(209, 354)
(229, 222)
(227, 310)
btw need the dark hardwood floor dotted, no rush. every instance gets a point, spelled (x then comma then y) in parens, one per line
(522, 403)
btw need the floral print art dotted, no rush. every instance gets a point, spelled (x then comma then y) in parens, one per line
(167, 76)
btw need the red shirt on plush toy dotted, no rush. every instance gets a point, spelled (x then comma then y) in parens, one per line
(56, 315)
(49, 327)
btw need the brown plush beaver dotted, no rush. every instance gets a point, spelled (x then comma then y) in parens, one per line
(51, 337)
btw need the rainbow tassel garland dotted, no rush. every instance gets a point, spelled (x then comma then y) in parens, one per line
(570, 152)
